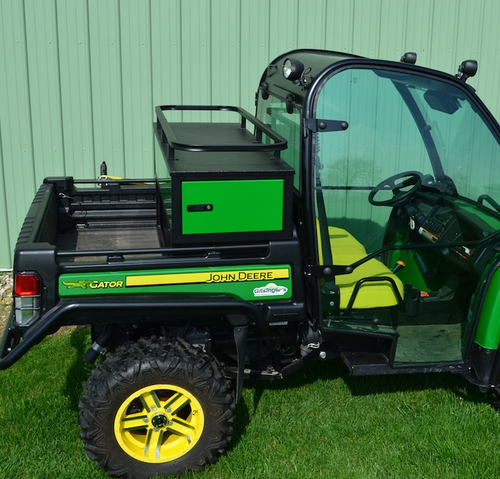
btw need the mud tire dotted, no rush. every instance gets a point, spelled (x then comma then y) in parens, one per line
(147, 371)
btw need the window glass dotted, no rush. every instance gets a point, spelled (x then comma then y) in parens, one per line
(468, 150)
(382, 139)
(273, 113)
(397, 122)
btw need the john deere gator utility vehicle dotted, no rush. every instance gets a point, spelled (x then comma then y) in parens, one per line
(356, 215)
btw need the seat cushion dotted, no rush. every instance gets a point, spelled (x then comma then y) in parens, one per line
(378, 294)
(347, 250)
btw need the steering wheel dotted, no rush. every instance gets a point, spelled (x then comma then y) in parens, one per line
(397, 184)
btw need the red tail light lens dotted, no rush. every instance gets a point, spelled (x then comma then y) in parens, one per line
(27, 284)
(27, 289)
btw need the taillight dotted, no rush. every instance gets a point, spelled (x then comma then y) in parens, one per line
(27, 290)
(27, 284)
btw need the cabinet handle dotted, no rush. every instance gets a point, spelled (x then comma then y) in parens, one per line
(195, 208)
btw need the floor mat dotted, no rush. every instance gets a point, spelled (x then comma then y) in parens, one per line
(435, 343)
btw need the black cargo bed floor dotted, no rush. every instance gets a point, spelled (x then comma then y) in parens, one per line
(112, 239)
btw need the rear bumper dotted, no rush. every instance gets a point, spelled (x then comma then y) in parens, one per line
(10, 339)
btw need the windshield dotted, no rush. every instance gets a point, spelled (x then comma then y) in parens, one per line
(399, 122)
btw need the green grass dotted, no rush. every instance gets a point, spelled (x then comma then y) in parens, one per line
(319, 423)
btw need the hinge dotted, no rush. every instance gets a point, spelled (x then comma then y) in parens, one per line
(330, 298)
(325, 125)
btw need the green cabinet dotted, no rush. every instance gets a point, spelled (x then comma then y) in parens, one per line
(232, 206)
(228, 186)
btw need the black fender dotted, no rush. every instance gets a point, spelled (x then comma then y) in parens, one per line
(239, 314)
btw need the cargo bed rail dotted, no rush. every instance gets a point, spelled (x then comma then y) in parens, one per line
(178, 251)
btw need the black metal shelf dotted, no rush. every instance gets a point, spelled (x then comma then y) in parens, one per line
(215, 137)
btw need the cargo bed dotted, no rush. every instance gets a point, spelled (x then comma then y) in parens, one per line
(82, 217)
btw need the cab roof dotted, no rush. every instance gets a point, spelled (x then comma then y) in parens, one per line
(314, 62)
(314, 65)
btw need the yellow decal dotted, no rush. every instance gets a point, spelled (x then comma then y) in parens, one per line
(207, 277)
(92, 284)
(105, 284)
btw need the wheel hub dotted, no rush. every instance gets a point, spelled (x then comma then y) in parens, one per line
(160, 420)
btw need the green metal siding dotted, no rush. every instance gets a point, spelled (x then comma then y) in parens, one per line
(80, 78)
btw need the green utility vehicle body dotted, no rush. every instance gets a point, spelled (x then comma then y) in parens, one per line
(356, 215)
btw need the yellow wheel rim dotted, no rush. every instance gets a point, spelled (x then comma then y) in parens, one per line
(159, 423)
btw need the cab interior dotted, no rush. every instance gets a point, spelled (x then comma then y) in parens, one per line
(406, 200)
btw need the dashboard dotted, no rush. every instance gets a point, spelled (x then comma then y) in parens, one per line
(457, 224)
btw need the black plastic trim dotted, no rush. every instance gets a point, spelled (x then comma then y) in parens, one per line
(57, 316)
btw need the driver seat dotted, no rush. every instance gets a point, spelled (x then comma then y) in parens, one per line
(346, 250)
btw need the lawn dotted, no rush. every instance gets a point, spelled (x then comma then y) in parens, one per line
(319, 423)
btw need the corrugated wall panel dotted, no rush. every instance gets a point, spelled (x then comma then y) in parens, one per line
(312, 37)
(15, 123)
(166, 57)
(196, 56)
(81, 77)
(366, 19)
(393, 28)
(254, 49)
(339, 26)
(283, 26)
(135, 20)
(225, 25)
(419, 27)
(44, 87)
(106, 85)
(166, 54)
(76, 90)
(477, 38)
(4, 232)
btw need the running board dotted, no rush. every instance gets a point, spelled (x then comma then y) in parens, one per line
(372, 364)
(366, 364)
